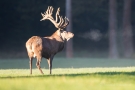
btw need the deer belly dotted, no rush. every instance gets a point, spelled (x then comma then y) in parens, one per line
(46, 55)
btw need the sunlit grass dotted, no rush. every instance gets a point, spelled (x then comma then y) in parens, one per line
(60, 71)
(69, 74)
(69, 79)
(69, 83)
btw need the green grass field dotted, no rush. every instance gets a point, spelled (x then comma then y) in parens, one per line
(69, 74)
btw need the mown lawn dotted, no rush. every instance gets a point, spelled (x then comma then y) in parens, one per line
(69, 74)
(19, 79)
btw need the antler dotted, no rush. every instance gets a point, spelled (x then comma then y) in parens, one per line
(48, 15)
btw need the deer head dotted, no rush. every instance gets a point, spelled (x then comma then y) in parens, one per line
(60, 25)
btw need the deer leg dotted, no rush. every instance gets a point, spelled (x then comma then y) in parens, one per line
(38, 65)
(50, 64)
(30, 62)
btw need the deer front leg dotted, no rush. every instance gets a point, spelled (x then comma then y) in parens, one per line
(50, 64)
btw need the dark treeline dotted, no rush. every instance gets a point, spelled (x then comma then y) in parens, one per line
(20, 19)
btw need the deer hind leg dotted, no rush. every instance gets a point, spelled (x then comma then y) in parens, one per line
(30, 62)
(38, 64)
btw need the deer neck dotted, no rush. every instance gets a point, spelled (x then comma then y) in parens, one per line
(57, 35)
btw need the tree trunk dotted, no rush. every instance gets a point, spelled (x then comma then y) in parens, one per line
(127, 30)
(69, 45)
(113, 51)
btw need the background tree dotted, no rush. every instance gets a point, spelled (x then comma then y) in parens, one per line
(127, 30)
(87, 16)
(69, 45)
(113, 51)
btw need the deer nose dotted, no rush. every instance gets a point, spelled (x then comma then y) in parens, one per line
(72, 34)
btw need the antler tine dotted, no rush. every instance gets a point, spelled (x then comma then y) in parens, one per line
(46, 11)
(42, 14)
(66, 22)
(57, 14)
(61, 22)
(50, 11)
(48, 15)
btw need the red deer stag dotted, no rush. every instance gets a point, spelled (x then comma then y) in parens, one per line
(48, 46)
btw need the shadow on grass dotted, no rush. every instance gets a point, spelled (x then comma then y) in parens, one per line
(75, 75)
(98, 73)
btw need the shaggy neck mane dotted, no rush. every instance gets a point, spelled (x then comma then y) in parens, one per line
(57, 35)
